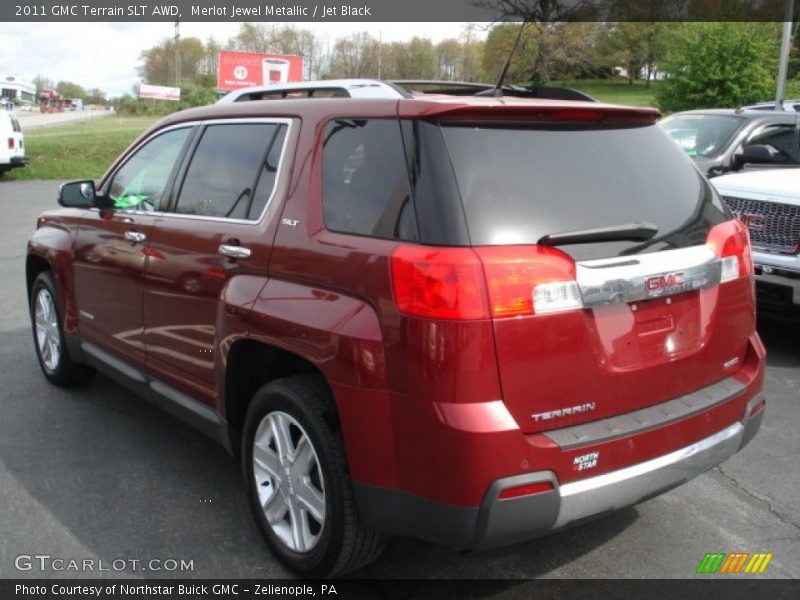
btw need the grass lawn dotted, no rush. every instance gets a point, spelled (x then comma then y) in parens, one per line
(82, 150)
(616, 91)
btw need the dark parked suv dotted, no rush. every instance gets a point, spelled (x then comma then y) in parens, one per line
(471, 320)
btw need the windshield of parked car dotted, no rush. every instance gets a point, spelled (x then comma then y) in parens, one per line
(702, 135)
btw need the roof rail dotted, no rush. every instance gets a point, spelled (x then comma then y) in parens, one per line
(469, 88)
(332, 88)
(406, 88)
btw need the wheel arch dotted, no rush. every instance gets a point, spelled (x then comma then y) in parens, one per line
(34, 265)
(50, 249)
(251, 364)
(295, 329)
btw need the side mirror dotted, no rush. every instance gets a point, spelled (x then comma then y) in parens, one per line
(77, 194)
(757, 154)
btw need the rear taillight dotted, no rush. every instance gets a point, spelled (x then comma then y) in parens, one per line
(731, 242)
(11, 143)
(526, 280)
(476, 283)
(439, 283)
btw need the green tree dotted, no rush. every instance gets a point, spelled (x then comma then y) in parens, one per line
(158, 63)
(252, 37)
(498, 47)
(461, 59)
(567, 50)
(448, 56)
(43, 83)
(68, 89)
(418, 60)
(95, 96)
(718, 65)
(357, 55)
(637, 46)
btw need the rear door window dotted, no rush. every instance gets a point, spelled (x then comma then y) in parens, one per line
(366, 189)
(233, 170)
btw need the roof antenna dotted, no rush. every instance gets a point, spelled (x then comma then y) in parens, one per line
(497, 91)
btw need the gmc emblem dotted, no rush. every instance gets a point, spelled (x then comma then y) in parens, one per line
(752, 222)
(657, 283)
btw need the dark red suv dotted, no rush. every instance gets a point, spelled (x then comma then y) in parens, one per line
(471, 320)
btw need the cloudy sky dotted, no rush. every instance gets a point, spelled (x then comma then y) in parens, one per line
(105, 55)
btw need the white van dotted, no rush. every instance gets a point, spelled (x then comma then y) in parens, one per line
(12, 144)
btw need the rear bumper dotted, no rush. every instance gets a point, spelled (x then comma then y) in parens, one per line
(777, 281)
(16, 161)
(499, 522)
(777, 290)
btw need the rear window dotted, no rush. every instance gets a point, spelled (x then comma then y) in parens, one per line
(520, 183)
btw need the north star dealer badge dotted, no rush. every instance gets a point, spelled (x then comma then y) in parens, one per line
(585, 461)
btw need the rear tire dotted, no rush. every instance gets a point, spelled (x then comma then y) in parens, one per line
(298, 484)
(48, 336)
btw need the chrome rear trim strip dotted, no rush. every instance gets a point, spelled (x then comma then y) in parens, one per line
(646, 276)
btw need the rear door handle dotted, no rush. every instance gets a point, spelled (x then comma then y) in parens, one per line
(135, 237)
(234, 251)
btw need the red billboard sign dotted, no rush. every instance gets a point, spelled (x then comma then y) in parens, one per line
(236, 70)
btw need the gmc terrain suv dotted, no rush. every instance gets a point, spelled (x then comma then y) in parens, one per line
(468, 319)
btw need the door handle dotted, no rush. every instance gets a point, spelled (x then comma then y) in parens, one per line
(135, 237)
(234, 251)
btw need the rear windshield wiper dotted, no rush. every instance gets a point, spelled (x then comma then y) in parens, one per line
(627, 232)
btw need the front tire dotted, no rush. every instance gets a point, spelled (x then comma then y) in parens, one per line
(297, 482)
(48, 336)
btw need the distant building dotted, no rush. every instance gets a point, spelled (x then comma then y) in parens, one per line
(17, 90)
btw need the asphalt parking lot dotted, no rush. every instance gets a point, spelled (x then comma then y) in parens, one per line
(95, 473)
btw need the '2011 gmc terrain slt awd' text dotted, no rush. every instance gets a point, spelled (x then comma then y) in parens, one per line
(471, 320)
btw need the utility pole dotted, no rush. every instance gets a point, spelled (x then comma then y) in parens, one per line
(786, 44)
(380, 51)
(177, 53)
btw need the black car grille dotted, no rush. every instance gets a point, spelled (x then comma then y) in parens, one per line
(774, 227)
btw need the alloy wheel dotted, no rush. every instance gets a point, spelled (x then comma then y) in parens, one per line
(289, 481)
(48, 339)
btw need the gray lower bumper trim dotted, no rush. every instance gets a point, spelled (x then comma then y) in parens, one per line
(499, 522)
(628, 486)
(659, 415)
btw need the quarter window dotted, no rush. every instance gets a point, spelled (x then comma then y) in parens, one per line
(233, 171)
(141, 182)
(366, 188)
